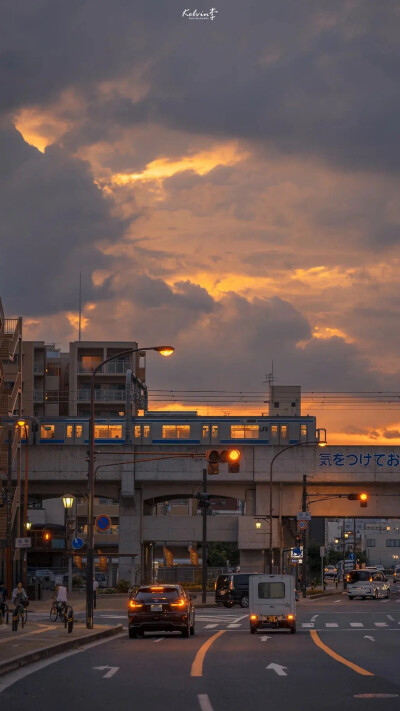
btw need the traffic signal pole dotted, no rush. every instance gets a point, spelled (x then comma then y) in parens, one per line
(204, 512)
(304, 541)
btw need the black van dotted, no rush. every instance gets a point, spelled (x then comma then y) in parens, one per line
(232, 589)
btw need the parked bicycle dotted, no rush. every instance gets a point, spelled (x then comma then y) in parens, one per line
(57, 611)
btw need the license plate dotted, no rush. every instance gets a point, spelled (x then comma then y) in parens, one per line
(156, 608)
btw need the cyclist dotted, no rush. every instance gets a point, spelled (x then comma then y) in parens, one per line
(19, 596)
(60, 594)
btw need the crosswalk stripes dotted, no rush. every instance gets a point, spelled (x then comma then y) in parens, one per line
(356, 624)
(353, 625)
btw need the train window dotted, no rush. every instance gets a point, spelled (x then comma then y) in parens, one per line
(108, 431)
(303, 431)
(205, 431)
(245, 431)
(274, 431)
(138, 430)
(78, 431)
(69, 430)
(283, 431)
(116, 431)
(146, 430)
(175, 431)
(214, 431)
(47, 431)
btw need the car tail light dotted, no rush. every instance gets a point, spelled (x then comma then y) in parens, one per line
(179, 603)
(253, 617)
(134, 605)
(290, 617)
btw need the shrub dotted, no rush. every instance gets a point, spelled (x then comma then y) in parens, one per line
(123, 586)
(77, 581)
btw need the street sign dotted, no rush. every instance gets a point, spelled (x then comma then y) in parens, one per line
(302, 525)
(296, 552)
(23, 542)
(77, 543)
(304, 515)
(352, 556)
(102, 523)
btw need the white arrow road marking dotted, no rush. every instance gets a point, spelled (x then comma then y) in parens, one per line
(265, 638)
(366, 636)
(278, 668)
(204, 702)
(390, 618)
(314, 618)
(110, 673)
(159, 639)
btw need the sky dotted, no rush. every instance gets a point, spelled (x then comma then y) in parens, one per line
(226, 184)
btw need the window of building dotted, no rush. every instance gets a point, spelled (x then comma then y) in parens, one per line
(245, 431)
(371, 543)
(89, 362)
(47, 431)
(146, 430)
(138, 430)
(53, 369)
(276, 405)
(214, 431)
(393, 543)
(175, 431)
(205, 431)
(69, 430)
(283, 431)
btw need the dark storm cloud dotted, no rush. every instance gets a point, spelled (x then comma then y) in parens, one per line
(52, 218)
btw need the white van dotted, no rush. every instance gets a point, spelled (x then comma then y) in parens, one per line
(272, 602)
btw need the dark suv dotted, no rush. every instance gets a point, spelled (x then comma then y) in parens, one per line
(165, 608)
(232, 588)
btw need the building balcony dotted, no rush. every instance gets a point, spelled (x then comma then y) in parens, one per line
(38, 396)
(38, 368)
(114, 368)
(102, 395)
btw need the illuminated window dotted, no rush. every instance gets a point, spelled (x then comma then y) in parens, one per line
(175, 431)
(214, 431)
(88, 363)
(116, 431)
(146, 430)
(205, 431)
(303, 430)
(283, 431)
(137, 430)
(69, 430)
(274, 430)
(108, 431)
(47, 431)
(78, 430)
(245, 431)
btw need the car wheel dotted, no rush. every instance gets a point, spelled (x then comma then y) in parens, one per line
(132, 634)
(363, 597)
(192, 630)
(253, 630)
(228, 603)
(186, 631)
(376, 595)
(351, 597)
(244, 601)
(388, 594)
(293, 629)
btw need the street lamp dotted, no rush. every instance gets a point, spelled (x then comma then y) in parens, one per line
(290, 446)
(164, 351)
(68, 502)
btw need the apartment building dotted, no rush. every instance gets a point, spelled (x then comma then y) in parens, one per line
(42, 392)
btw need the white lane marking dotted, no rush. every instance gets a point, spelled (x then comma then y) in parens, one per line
(160, 639)
(356, 624)
(13, 677)
(210, 627)
(307, 625)
(390, 618)
(243, 617)
(314, 617)
(231, 626)
(380, 624)
(337, 601)
(110, 673)
(265, 638)
(366, 636)
(278, 668)
(331, 624)
(204, 702)
(375, 696)
(114, 617)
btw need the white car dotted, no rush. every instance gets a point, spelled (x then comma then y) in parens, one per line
(367, 583)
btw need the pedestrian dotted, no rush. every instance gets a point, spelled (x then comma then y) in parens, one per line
(95, 586)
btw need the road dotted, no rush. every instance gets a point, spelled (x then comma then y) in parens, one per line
(223, 667)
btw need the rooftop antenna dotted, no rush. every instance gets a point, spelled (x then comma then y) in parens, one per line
(80, 306)
(269, 379)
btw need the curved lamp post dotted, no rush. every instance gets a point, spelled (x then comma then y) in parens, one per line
(290, 446)
(164, 351)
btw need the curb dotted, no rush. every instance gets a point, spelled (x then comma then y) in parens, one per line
(54, 649)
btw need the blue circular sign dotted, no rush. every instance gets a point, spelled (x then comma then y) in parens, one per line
(296, 551)
(77, 543)
(103, 522)
(352, 556)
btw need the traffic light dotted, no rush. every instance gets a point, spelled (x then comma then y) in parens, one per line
(216, 456)
(362, 498)
(297, 541)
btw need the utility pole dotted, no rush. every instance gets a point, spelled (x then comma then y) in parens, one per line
(8, 551)
(304, 540)
(204, 513)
